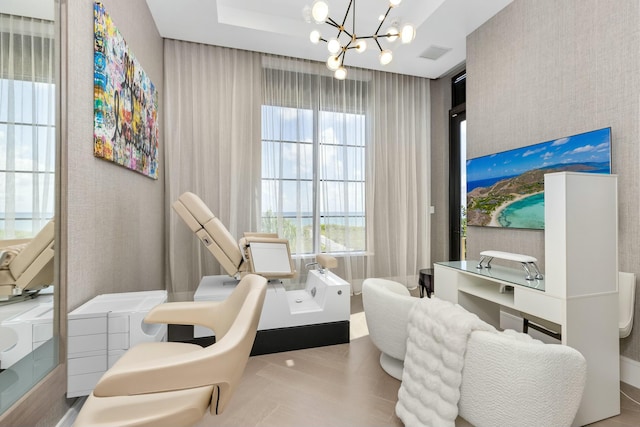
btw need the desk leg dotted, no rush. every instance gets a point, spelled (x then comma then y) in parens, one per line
(596, 337)
(447, 284)
(486, 310)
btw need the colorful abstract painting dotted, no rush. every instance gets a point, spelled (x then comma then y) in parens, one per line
(125, 102)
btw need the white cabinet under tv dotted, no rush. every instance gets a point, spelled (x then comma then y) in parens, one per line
(579, 291)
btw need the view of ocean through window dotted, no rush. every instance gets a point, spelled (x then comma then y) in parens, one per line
(313, 183)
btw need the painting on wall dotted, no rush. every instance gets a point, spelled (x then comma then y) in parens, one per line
(125, 102)
(507, 189)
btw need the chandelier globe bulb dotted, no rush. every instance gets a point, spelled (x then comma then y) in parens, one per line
(385, 57)
(408, 33)
(314, 36)
(341, 73)
(333, 63)
(392, 32)
(333, 45)
(320, 11)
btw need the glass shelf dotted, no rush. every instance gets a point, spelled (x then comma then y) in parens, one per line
(498, 273)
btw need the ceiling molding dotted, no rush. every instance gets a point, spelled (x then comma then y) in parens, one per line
(278, 27)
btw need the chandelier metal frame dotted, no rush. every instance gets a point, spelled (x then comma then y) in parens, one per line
(338, 52)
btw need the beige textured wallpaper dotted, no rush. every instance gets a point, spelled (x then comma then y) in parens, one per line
(543, 69)
(115, 216)
(440, 106)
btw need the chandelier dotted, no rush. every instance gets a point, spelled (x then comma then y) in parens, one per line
(346, 40)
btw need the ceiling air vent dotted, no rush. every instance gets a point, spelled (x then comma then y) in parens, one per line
(434, 52)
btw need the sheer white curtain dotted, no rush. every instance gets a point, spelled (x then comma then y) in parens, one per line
(278, 145)
(27, 120)
(313, 161)
(399, 188)
(351, 157)
(212, 125)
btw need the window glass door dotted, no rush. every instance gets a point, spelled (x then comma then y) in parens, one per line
(458, 168)
(463, 185)
(457, 184)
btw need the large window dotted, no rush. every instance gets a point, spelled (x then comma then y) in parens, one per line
(313, 178)
(27, 163)
(27, 125)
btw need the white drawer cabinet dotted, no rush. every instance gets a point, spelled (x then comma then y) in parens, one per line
(29, 325)
(101, 330)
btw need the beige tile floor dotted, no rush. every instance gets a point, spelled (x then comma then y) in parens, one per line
(340, 385)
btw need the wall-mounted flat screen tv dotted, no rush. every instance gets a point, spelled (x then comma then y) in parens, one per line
(507, 189)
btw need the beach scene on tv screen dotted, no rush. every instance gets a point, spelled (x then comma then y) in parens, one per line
(507, 189)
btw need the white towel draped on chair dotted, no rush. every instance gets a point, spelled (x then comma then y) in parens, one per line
(438, 332)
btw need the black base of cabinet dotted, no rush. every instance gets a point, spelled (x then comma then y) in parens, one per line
(300, 337)
(294, 338)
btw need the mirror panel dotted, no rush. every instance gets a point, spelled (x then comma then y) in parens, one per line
(29, 75)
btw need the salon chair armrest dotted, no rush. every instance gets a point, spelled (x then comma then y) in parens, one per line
(214, 315)
(153, 367)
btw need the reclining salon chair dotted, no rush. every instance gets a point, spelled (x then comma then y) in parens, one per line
(26, 265)
(171, 383)
(260, 253)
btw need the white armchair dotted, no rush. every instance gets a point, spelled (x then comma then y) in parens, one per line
(386, 309)
(511, 379)
(456, 364)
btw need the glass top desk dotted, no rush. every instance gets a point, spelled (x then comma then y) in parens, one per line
(506, 275)
(482, 291)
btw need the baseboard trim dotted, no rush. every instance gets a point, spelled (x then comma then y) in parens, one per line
(630, 371)
(72, 413)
